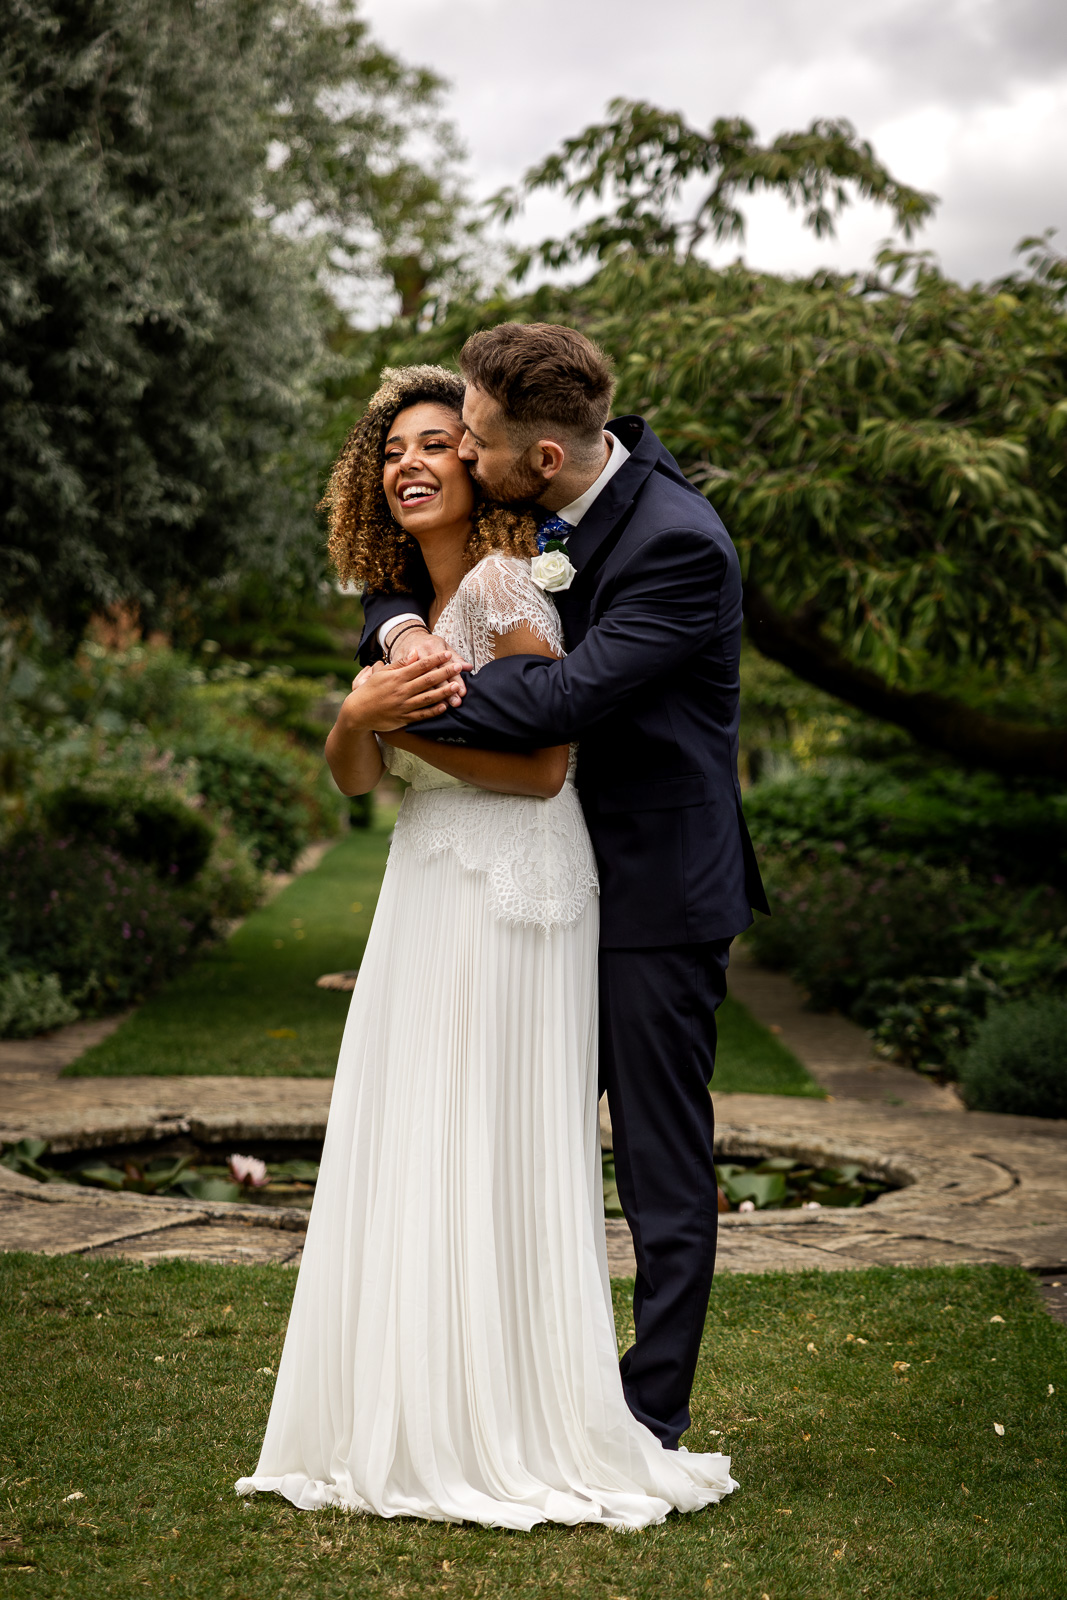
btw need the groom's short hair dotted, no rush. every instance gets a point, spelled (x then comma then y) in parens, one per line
(542, 373)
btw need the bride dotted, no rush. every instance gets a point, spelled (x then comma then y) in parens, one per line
(451, 1351)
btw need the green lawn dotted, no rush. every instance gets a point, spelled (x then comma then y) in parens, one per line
(859, 1475)
(750, 1060)
(251, 1007)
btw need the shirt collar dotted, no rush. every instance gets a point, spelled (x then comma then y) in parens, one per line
(578, 508)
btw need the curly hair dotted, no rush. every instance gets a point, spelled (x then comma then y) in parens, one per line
(366, 544)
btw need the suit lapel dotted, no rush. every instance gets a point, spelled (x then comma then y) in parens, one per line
(613, 503)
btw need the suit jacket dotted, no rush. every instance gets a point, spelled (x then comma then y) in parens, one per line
(649, 688)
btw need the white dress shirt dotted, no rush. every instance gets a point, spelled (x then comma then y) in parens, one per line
(572, 514)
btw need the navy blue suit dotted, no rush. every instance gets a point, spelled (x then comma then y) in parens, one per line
(649, 688)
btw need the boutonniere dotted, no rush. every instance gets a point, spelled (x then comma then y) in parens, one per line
(552, 569)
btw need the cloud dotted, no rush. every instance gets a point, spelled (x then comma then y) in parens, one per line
(964, 97)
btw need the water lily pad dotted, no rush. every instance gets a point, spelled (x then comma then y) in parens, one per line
(301, 1171)
(209, 1188)
(762, 1188)
(102, 1173)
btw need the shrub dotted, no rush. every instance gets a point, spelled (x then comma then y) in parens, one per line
(257, 791)
(158, 829)
(837, 928)
(281, 701)
(231, 883)
(917, 954)
(109, 928)
(1018, 1060)
(142, 685)
(31, 1003)
(924, 1022)
(942, 818)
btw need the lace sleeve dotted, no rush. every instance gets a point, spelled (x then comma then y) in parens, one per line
(498, 595)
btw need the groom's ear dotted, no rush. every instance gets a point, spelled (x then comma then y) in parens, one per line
(547, 456)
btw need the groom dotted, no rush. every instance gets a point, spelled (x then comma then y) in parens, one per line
(648, 589)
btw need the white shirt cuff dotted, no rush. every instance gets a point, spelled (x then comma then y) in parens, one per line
(394, 622)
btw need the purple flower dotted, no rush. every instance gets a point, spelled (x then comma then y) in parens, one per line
(125, 930)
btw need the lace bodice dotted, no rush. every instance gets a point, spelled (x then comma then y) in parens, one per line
(535, 854)
(493, 597)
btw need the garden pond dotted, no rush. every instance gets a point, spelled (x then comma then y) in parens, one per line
(284, 1173)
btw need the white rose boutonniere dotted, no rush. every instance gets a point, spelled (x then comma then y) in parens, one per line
(552, 570)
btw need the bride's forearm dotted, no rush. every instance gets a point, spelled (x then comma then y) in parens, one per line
(540, 773)
(354, 758)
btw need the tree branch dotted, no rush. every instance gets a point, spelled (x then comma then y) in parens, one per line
(945, 725)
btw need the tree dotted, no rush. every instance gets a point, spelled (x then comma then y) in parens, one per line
(647, 160)
(174, 177)
(888, 454)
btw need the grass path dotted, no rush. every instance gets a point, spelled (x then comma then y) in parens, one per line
(133, 1397)
(251, 1008)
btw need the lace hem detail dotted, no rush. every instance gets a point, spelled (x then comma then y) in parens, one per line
(535, 855)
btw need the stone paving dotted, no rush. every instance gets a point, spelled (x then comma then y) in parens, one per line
(977, 1188)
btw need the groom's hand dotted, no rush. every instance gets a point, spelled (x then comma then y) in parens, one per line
(419, 644)
(386, 698)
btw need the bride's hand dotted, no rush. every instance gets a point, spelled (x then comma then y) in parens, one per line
(386, 698)
(419, 645)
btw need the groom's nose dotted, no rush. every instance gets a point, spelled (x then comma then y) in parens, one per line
(467, 450)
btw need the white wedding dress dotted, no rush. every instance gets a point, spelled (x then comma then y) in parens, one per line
(451, 1351)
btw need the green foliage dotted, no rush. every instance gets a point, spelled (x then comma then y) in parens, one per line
(644, 158)
(923, 1022)
(1017, 1061)
(230, 881)
(942, 816)
(784, 1183)
(175, 176)
(885, 451)
(108, 928)
(23, 1157)
(32, 1003)
(158, 830)
(918, 903)
(258, 794)
(302, 709)
(838, 928)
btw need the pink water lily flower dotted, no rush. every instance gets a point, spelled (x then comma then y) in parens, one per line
(249, 1170)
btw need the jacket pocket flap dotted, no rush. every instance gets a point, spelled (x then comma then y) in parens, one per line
(662, 794)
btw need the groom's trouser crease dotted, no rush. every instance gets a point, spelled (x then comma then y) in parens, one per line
(657, 1054)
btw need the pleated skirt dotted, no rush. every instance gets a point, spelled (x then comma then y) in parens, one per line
(451, 1350)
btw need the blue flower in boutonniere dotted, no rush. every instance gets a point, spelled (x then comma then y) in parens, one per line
(552, 569)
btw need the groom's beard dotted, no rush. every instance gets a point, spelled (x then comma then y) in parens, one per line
(521, 484)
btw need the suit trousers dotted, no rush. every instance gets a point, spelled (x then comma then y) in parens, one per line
(657, 1055)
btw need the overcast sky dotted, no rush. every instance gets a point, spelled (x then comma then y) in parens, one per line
(967, 98)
